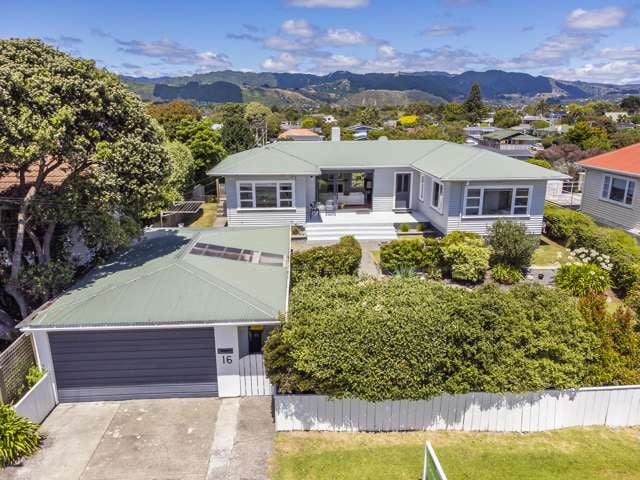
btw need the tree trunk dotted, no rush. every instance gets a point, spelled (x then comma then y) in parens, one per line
(12, 287)
(46, 242)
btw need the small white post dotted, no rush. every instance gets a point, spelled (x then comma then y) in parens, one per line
(227, 361)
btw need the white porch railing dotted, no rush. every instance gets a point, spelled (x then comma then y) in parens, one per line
(253, 377)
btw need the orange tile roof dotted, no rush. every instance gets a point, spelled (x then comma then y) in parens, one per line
(298, 132)
(11, 180)
(624, 160)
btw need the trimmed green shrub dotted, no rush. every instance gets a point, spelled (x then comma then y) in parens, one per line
(404, 228)
(342, 258)
(405, 271)
(506, 274)
(19, 437)
(421, 227)
(423, 255)
(457, 236)
(412, 339)
(561, 224)
(511, 244)
(466, 261)
(540, 162)
(582, 279)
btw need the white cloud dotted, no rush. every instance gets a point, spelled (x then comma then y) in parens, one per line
(298, 28)
(344, 36)
(621, 53)
(555, 50)
(337, 62)
(285, 62)
(440, 30)
(328, 3)
(599, 18)
(619, 71)
(386, 51)
(170, 52)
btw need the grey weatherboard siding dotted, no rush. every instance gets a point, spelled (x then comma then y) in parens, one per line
(606, 212)
(126, 364)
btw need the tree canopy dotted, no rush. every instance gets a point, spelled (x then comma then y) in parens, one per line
(474, 106)
(61, 116)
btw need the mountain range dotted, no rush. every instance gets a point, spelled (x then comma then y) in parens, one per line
(380, 89)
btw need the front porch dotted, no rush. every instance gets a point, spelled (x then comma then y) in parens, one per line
(363, 224)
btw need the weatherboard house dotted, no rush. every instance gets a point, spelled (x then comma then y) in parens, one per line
(368, 188)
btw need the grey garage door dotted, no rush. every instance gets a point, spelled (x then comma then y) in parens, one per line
(125, 364)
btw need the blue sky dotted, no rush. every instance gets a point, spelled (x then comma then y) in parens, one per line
(588, 40)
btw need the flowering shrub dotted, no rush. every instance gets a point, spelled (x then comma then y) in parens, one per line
(582, 279)
(589, 255)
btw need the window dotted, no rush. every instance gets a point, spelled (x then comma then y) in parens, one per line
(488, 201)
(617, 189)
(421, 188)
(265, 194)
(437, 191)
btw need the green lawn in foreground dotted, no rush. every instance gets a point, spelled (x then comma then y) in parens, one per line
(570, 454)
(207, 216)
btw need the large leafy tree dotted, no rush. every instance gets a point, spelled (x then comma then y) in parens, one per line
(170, 114)
(236, 133)
(61, 116)
(204, 142)
(505, 118)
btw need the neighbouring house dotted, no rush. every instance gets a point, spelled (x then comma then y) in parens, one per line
(300, 135)
(610, 192)
(476, 132)
(616, 117)
(367, 188)
(529, 119)
(511, 142)
(183, 313)
(390, 123)
(360, 132)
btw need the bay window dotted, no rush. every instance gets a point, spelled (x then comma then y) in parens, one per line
(496, 201)
(265, 194)
(617, 189)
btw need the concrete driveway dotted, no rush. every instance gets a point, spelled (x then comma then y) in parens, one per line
(169, 439)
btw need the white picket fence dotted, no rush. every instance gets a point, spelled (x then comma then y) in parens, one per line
(528, 412)
(253, 377)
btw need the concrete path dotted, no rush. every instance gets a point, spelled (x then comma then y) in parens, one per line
(169, 439)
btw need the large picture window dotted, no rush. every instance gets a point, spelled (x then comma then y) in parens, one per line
(496, 201)
(265, 194)
(617, 189)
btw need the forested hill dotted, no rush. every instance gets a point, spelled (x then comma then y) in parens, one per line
(347, 87)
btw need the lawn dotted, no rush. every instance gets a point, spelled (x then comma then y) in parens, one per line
(207, 216)
(549, 253)
(571, 454)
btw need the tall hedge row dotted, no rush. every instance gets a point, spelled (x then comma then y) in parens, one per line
(342, 258)
(412, 339)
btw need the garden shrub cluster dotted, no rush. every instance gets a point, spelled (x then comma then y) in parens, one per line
(412, 339)
(511, 244)
(577, 230)
(19, 437)
(459, 255)
(343, 258)
(507, 274)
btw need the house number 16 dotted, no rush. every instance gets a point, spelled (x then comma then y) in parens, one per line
(227, 359)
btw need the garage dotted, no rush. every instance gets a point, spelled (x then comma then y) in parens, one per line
(126, 364)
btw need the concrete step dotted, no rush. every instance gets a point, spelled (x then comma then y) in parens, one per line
(333, 232)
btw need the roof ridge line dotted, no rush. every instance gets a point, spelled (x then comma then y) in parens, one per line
(74, 305)
(464, 164)
(412, 163)
(294, 156)
(230, 289)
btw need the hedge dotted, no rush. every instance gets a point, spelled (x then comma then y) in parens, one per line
(577, 230)
(413, 339)
(342, 258)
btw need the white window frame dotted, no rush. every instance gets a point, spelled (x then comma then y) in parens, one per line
(438, 208)
(421, 187)
(279, 200)
(626, 190)
(482, 189)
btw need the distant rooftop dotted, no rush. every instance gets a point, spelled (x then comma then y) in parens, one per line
(625, 160)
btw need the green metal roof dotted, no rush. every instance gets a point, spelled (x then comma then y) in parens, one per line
(445, 160)
(502, 134)
(159, 282)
